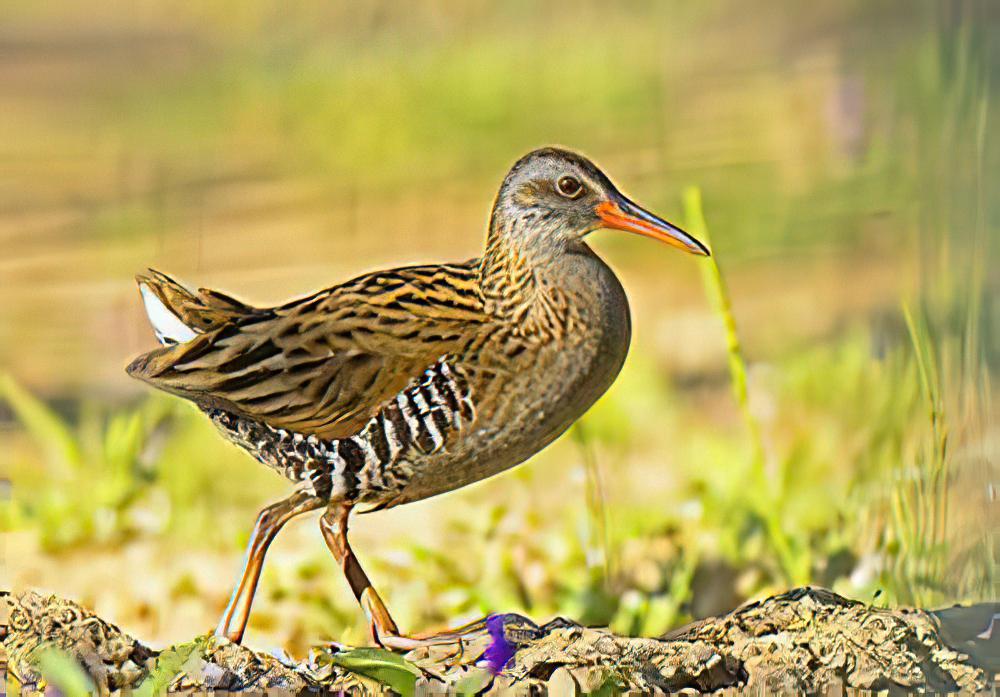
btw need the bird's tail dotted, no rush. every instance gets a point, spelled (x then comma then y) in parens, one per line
(178, 314)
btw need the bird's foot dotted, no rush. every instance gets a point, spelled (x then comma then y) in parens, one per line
(487, 643)
(399, 642)
(386, 634)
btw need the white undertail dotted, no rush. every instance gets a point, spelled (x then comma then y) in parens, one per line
(168, 327)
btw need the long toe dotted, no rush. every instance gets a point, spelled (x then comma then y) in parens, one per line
(458, 636)
(398, 642)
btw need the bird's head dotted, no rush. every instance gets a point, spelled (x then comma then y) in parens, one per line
(553, 197)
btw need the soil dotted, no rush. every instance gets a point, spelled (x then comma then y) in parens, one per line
(807, 639)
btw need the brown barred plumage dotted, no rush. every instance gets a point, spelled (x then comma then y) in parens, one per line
(403, 384)
(375, 463)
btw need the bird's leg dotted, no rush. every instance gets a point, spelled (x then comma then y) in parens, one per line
(269, 522)
(384, 631)
(333, 523)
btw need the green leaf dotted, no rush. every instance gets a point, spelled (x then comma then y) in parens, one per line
(61, 670)
(386, 667)
(169, 665)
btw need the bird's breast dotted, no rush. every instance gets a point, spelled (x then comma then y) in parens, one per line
(554, 379)
(528, 388)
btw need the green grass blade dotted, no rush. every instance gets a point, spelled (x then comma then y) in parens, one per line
(766, 499)
(49, 431)
(61, 671)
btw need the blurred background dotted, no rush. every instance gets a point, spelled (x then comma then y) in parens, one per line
(817, 408)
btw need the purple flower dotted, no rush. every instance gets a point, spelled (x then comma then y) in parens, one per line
(500, 651)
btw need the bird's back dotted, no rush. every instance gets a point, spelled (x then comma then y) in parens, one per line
(319, 365)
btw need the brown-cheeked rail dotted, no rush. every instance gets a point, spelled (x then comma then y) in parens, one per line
(403, 384)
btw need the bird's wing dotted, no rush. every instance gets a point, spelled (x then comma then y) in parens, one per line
(323, 365)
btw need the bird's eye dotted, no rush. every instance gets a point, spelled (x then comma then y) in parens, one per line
(570, 187)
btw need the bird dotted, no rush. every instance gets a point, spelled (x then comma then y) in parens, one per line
(407, 383)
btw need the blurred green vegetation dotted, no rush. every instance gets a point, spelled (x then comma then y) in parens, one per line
(64, 673)
(823, 413)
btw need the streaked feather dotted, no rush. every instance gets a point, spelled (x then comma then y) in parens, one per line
(321, 365)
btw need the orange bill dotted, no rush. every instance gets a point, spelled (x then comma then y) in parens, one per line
(627, 216)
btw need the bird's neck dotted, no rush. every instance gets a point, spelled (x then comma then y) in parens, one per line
(507, 277)
(534, 287)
